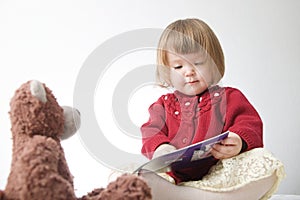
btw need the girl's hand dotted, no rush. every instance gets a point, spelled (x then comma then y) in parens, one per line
(163, 149)
(229, 147)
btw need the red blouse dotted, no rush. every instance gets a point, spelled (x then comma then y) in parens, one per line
(181, 120)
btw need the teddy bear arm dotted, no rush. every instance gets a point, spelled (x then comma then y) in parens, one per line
(36, 174)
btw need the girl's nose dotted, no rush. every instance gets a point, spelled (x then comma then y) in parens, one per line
(189, 71)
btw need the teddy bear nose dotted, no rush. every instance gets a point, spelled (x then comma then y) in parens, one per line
(72, 121)
(78, 112)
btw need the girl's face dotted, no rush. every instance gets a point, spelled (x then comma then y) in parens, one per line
(190, 74)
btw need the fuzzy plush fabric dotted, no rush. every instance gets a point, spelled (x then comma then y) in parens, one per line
(126, 187)
(39, 169)
(1, 195)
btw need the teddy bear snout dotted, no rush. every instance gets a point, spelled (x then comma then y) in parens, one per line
(72, 122)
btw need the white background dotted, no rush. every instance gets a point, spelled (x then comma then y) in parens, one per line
(50, 40)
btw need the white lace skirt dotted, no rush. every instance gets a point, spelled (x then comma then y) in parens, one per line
(234, 173)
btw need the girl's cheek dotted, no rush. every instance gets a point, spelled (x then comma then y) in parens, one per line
(176, 75)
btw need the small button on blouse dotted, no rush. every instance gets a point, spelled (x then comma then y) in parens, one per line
(187, 103)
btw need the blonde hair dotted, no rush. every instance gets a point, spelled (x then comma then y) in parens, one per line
(184, 37)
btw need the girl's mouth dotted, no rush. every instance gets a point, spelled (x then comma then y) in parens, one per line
(192, 82)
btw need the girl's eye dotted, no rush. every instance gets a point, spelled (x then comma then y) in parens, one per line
(198, 63)
(178, 67)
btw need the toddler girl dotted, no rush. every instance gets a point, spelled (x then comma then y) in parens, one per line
(190, 60)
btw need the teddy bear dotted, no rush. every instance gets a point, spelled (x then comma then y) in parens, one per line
(39, 169)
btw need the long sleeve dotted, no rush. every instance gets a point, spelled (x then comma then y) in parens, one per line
(243, 119)
(154, 131)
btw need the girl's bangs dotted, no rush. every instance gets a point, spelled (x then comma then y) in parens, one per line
(182, 44)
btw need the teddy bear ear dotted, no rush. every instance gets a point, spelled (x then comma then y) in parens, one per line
(72, 122)
(37, 89)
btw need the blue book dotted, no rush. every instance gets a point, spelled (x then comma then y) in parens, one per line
(184, 157)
